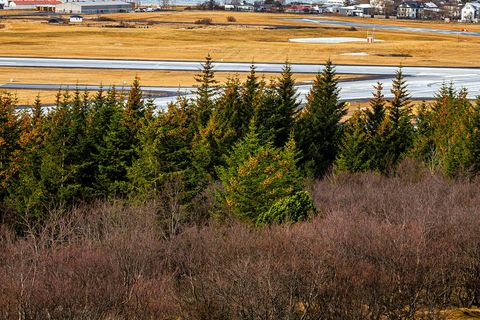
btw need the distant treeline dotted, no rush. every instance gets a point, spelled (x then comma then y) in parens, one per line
(249, 143)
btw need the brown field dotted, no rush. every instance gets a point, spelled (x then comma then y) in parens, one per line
(240, 42)
(123, 77)
(118, 78)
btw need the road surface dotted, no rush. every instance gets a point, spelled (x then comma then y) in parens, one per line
(423, 82)
(383, 26)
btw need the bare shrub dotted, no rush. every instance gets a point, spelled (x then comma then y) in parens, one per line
(104, 18)
(231, 19)
(204, 21)
(403, 247)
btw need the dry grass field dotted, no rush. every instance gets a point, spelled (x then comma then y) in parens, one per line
(246, 40)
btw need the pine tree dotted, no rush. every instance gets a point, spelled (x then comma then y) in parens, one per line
(257, 175)
(27, 195)
(10, 132)
(231, 116)
(397, 128)
(164, 151)
(250, 98)
(207, 88)
(135, 106)
(354, 155)
(376, 113)
(286, 106)
(319, 128)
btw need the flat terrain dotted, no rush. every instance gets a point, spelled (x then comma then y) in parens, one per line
(255, 37)
(252, 37)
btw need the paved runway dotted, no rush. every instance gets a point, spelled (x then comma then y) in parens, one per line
(384, 27)
(423, 82)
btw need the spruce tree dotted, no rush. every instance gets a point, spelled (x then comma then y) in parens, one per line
(319, 128)
(354, 155)
(256, 175)
(376, 112)
(397, 128)
(286, 106)
(207, 88)
(250, 98)
(10, 132)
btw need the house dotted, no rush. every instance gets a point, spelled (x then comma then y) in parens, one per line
(76, 19)
(452, 11)
(431, 11)
(359, 10)
(346, 11)
(302, 9)
(364, 10)
(41, 5)
(410, 10)
(91, 7)
(383, 7)
(470, 12)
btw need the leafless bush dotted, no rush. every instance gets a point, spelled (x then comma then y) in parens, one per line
(231, 19)
(204, 21)
(104, 18)
(403, 247)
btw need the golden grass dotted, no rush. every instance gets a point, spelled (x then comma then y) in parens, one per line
(27, 97)
(231, 43)
(121, 77)
(118, 78)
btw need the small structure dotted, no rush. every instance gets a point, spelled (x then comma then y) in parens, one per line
(92, 7)
(76, 19)
(410, 10)
(431, 11)
(360, 10)
(470, 12)
(40, 5)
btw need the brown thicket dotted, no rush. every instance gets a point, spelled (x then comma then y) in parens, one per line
(402, 247)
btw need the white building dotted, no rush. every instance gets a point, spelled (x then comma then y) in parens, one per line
(92, 7)
(410, 10)
(76, 19)
(385, 7)
(470, 12)
(43, 5)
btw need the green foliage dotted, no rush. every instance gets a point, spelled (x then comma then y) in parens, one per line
(207, 88)
(355, 152)
(396, 131)
(292, 208)
(256, 175)
(276, 113)
(319, 128)
(10, 132)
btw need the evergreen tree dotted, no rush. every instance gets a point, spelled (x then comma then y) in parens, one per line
(354, 155)
(10, 132)
(319, 128)
(207, 88)
(266, 113)
(135, 107)
(250, 98)
(397, 128)
(376, 113)
(164, 151)
(286, 106)
(27, 195)
(256, 175)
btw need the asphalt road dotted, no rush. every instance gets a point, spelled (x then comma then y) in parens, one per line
(423, 82)
(384, 27)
